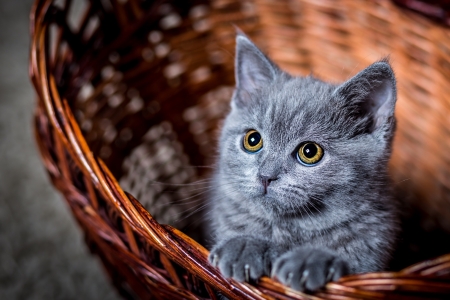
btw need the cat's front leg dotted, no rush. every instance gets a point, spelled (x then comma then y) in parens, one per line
(309, 269)
(243, 258)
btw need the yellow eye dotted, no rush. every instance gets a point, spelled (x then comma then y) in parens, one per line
(252, 141)
(310, 153)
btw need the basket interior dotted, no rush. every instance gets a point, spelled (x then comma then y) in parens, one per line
(160, 73)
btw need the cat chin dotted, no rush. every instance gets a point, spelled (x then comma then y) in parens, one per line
(289, 208)
(276, 204)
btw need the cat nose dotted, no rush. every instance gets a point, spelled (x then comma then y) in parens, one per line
(266, 180)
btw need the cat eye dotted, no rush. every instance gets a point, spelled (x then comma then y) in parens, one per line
(309, 153)
(252, 141)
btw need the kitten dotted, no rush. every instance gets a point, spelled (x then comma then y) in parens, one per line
(301, 192)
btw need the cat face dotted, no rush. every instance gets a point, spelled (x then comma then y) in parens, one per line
(299, 146)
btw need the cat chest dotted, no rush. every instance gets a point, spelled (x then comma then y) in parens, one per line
(291, 234)
(288, 233)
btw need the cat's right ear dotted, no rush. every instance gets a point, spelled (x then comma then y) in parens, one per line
(371, 96)
(253, 69)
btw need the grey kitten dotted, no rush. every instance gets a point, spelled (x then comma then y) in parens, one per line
(301, 192)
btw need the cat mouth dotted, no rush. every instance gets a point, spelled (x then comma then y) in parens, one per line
(292, 207)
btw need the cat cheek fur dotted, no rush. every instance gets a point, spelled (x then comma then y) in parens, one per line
(341, 208)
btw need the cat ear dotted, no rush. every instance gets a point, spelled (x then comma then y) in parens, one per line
(253, 69)
(371, 94)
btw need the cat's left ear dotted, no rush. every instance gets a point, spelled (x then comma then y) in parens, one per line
(372, 95)
(253, 69)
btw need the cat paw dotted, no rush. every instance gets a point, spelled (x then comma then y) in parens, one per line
(241, 258)
(308, 269)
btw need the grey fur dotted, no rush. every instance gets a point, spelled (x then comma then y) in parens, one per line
(315, 223)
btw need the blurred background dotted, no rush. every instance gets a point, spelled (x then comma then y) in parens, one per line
(42, 251)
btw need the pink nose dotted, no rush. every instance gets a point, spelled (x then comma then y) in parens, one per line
(266, 180)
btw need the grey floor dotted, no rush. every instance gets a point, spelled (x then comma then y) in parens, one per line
(42, 255)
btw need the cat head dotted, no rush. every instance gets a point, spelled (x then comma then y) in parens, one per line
(291, 144)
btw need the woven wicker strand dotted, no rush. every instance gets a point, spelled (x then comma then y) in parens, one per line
(106, 76)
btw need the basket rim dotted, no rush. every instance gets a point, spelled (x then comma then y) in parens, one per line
(166, 239)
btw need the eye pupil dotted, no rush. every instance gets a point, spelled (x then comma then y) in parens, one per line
(252, 141)
(254, 138)
(309, 153)
(310, 150)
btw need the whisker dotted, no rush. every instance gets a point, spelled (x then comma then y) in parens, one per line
(202, 181)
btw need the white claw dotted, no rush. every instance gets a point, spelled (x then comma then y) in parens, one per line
(289, 279)
(247, 272)
(304, 277)
(215, 260)
(330, 274)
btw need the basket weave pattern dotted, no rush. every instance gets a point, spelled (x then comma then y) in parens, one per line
(106, 78)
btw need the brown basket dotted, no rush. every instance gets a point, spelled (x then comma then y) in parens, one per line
(126, 66)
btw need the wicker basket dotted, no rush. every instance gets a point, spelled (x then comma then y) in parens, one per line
(106, 78)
